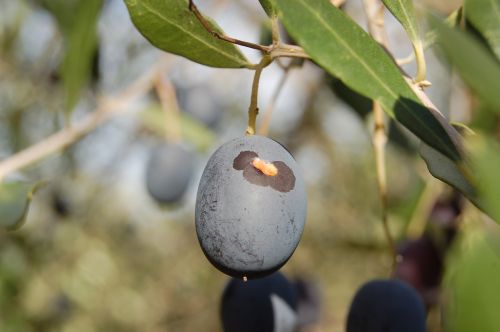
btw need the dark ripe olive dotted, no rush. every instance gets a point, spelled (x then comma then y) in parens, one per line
(268, 304)
(168, 172)
(251, 207)
(421, 265)
(386, 306)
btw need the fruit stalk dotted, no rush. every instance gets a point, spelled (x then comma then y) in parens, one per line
(375, 15)
(253, 110)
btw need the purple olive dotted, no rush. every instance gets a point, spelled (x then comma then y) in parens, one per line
(421, 266)
(251, 207)
(386, 306)
(168, 172)
(265, 305)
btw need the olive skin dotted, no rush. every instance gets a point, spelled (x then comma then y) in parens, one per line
(268, 304)
(249, 223)
(386, 306)
(168, 172)
(421, 265)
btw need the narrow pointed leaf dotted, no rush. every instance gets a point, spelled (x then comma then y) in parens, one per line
(476, 66)
(486, 164)
(268, 7)
(77, 20)
(451, 20)
(485, 17)
(346, 51)
(15, 198)
(172, 27)
(403, 11)
(448, 171)
(471, 281)
(81, 45)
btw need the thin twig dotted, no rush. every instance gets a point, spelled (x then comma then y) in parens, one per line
(379, 143)
(266, 119)
(210, 29)
(375, 14)
(418, 220)
(168, 100)
(107, 108)
(253, 110)
(275, 50)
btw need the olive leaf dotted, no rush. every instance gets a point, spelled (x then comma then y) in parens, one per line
(476, 66)
(484, 15)
(77, 20)
(172, 27)
(15, 198)
(471, 281)
(450, 172)
(403, 11)
(346, 51)
(268, 7)
(486, 164)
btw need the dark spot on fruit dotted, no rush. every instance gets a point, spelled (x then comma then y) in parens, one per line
(284, 181)
(243, 160)
(244, 229)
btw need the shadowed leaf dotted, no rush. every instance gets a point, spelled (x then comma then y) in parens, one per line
(485, 17)
(346, 51)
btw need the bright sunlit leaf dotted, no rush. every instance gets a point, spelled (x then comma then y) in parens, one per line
(172, 27)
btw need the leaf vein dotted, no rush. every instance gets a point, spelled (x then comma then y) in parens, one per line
(229, 56)
(371, 72)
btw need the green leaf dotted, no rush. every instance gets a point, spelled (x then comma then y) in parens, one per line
(472, 284)
(81, 45)
(485, 17)
(403, 11)
(172, 27)
(446, 170)
(77, 20)
(14, 202)
(346, 51)
(193, 131)
(451, 20)
(476, 66)
(269, 8)
(486, 165)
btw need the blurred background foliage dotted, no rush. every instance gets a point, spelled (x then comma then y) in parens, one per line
(96, 253)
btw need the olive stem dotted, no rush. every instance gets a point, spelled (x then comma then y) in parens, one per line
(253, 110)
(107, 108)
(275, 30)
(418, 48)
(275, 50)
(379, 143)
(168, 100)
(375, 15)
(209, 28)
(418, 220)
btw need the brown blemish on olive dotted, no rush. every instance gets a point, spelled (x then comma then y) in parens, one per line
(243, 160)
(283, 181)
